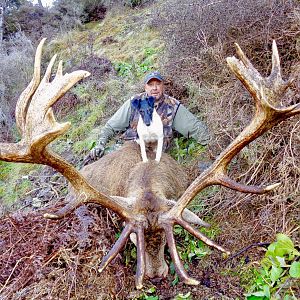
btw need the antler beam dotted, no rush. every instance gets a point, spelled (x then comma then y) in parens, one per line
(266, 93)
(38, 127)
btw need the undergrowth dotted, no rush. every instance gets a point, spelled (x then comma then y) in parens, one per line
(185, 150)
(279, 273)
(14, 182)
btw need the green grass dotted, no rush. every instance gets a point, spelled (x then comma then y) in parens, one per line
(188, 246)
(186, 150)
(135, 68)
(14, 182)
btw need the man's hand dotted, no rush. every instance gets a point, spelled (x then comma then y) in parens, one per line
(96, 153)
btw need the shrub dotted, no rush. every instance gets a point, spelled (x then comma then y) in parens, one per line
(16, 66)
(130, 3)
(200, 34)
(36, 21)
(280, 269)
(27, 18)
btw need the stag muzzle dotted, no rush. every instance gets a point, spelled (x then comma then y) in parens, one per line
(155, 242)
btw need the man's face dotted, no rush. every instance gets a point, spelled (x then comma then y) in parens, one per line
(154, 88)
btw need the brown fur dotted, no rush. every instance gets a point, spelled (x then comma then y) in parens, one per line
(122, 173)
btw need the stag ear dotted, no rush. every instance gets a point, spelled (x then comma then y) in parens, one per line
(136, 103)
(189, 216)
(151, 101)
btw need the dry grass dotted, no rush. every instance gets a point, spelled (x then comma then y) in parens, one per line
(199, 77)
(200, 34)
(43, 259)
(198, 38)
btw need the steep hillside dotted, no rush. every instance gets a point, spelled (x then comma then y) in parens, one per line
(117, 52)
(189, 42)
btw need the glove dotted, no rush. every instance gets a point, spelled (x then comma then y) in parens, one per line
(96, 153)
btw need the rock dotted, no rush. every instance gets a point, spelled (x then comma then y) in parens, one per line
(36, 202)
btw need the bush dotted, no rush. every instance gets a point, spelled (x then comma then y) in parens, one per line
(199, 35)
(278, 275)
(29, 19)
(16, 58)
(130, 3)
(36, 21)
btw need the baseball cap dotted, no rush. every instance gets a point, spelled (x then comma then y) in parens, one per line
(153, 75)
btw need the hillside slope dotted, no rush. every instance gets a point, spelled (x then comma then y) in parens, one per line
(56, 260)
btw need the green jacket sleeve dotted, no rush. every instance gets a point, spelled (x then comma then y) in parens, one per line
(190, 126)
(118, 122)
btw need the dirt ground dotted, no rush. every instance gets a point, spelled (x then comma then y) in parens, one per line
(45, 259)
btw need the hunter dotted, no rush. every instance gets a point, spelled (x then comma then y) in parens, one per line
(174, 116)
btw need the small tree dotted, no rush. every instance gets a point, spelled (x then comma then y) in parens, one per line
(5, 7)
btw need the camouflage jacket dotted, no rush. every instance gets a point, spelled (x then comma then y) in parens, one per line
(175, 116)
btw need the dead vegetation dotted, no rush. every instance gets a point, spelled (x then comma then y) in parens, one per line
(55, 261)
(199, 35)
(42, 259)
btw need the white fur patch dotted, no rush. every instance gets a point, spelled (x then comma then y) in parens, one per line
(153, 132)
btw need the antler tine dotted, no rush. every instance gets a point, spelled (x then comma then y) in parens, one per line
(141, 260)
(244, 59)
(276, 69)
(59, 72)
(175, 257)
(116, 248)
(253, 189)
(47, 75)
(120, 243)
(23, 102)
(200, 235)
(265, 92)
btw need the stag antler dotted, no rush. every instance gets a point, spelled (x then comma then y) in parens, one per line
(38, 127)
(266, 92)
(36, 122)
